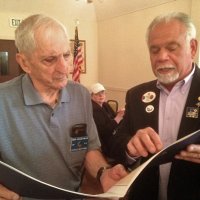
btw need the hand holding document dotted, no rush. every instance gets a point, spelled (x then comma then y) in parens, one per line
(28, 186)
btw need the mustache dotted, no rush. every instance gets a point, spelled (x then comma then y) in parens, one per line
(161, 67)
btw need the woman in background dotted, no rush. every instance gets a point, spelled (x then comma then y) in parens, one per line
(104, 116)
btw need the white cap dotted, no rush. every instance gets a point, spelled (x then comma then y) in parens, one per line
(97, 87)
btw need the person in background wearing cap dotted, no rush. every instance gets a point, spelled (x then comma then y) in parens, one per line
(163, 110)
(105, 118)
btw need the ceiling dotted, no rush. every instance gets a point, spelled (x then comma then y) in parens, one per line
(106, 9)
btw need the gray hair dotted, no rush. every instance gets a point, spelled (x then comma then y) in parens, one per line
(25, 33)
(181, 17)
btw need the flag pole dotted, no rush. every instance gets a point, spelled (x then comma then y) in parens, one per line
(78, 57)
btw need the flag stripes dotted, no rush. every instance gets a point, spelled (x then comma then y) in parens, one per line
(78, 58)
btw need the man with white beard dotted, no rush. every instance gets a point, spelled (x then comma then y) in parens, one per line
(159, 112)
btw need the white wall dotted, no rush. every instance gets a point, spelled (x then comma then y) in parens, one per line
(67, 11)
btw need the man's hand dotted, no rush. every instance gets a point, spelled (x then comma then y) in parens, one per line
(111, 176)
(145, 141)
(7, 194)
(192, 153)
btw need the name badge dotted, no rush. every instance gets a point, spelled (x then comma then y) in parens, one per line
(192, 112)
(79, 143)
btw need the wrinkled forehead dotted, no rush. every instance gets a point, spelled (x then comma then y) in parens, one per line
(44, 34)
(51, 40)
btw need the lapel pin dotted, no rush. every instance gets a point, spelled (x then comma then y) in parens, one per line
(149, 109)
(192, 112)
(148, 97)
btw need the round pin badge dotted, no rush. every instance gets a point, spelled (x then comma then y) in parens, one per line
(148, 97)
(149, 109)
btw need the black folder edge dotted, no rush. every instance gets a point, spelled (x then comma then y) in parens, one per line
(167, 154)
(28, 186)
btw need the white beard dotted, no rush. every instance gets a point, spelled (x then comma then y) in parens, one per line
(169, 77)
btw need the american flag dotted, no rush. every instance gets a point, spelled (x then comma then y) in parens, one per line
(78, 58)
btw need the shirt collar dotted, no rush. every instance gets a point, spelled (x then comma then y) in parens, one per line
(182, 84)
(32, 97)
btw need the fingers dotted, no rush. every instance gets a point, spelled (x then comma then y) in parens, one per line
(120, 113)
(192, 154)
(195, 148)
(120, 171)
(145, 141)
(131, 150)
(192, 157)
(8, 194)
(112, 175)
(117, 172)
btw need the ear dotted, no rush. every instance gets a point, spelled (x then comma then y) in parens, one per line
(193, 46)
(23, 62)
